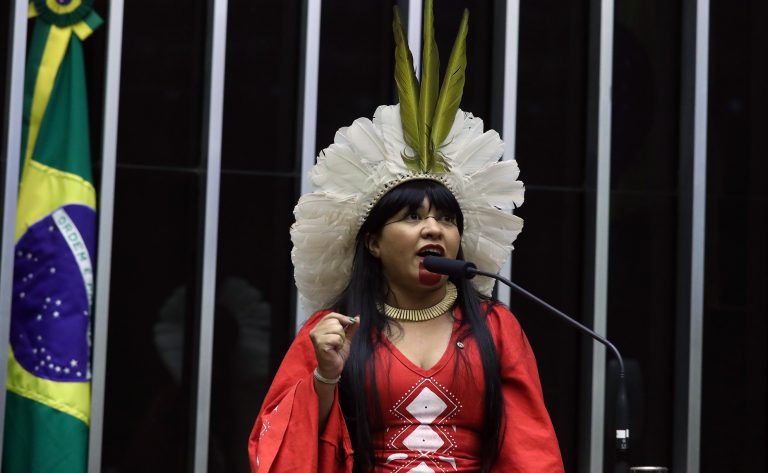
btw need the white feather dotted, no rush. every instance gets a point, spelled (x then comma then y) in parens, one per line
(497, 185)
(366, 140)
(479, 152)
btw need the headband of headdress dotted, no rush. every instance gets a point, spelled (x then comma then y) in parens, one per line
(425, 136)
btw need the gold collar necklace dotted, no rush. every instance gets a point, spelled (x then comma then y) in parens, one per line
(422, 315)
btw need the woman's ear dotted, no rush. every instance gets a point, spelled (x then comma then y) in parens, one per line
(372, 244)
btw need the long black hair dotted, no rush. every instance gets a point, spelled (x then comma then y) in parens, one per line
(367, 288)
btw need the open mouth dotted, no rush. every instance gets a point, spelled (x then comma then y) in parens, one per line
(425, 276)
(430, 251)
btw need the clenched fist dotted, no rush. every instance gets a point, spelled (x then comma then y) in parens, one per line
(332, 339)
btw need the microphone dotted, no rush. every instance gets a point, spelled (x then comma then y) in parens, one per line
(459, 269)
(455, 268)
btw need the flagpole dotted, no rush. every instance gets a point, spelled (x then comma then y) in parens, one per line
(12, 131)
(213, 119)
(106, 217)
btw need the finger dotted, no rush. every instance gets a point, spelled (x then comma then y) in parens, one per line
(344, 320)
(331, 342)
(352, 328)
(329, 324)
(334, 328)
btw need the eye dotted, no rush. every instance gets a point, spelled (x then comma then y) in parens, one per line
(451, 219)
(412, 217)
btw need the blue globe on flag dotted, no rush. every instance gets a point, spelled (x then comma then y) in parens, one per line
(53, 291)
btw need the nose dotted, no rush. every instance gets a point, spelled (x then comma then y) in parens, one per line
(430, 227)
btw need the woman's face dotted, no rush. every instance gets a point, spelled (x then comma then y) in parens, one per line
(406, 238)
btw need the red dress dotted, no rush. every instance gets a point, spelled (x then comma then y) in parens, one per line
(430, 419)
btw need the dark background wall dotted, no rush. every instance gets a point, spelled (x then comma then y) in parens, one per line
(160, 190)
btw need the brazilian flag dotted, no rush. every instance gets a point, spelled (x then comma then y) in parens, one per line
(48, 387)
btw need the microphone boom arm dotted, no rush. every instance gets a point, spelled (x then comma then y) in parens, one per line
(565, 317)
(467, 270)
(622, 402)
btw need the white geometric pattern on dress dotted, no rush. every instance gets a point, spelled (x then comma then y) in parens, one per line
(423, 468)
(396, 456)
(425, 408)
(423, 439)
(452, 461)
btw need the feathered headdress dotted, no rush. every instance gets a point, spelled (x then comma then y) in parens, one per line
(426, 136)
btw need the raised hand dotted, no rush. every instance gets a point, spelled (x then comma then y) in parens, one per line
(332, 339)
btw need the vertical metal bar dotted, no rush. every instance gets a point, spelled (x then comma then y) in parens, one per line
(697, 242)
(692, 211)
(509, 107)
(415, 13)
(602, 159)
(216, 50)
(308, 113)
(12, 131)
(106, 218)
(309, 105)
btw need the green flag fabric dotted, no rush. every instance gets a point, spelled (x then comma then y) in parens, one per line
(47, 411)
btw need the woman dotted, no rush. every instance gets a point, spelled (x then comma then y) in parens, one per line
(468, 368)
(399, 369)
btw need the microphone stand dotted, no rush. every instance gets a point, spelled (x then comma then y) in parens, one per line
(468, 270)
(622, 402)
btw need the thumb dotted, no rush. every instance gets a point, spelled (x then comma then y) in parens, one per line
(352, 328)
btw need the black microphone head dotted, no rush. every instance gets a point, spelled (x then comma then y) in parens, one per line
(455, 268)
